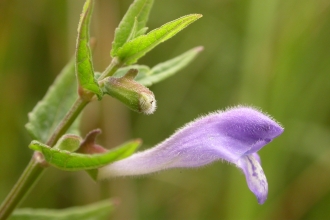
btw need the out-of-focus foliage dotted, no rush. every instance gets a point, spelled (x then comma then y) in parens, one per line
(271, 54)
(100, 210)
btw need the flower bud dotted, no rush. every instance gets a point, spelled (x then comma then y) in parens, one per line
(134, 95)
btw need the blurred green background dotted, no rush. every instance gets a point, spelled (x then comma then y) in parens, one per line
(274, 54)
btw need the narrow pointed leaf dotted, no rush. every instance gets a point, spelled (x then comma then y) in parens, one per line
(139, 11)
(84, 65)
(56, 103)
(66, 160)
(168, 68)
(100, 211)
(131, 51)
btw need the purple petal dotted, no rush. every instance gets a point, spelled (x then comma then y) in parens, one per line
(257, 157)
(255, 177)
(250, 127)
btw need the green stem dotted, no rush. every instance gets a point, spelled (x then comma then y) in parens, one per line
(31, 173)
(111, 69)
(35, 168)
(67, 121)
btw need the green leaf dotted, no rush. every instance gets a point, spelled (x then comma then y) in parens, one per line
(131, 51)
(59, 98)
(166, 69)
(141, 32)
(139, 12)
(134, 30)
(66, 160)
(98, 211)
(84, 65)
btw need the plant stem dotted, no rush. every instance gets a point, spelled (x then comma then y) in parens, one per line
(31, 173)
(111, 69)
(35, 167)
(67, 121)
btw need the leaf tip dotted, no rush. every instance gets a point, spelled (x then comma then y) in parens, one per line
(199, 49)
(196, 16)
(137, 141)
(34, 145)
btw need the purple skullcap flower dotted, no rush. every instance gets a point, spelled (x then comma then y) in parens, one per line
(234, 135)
